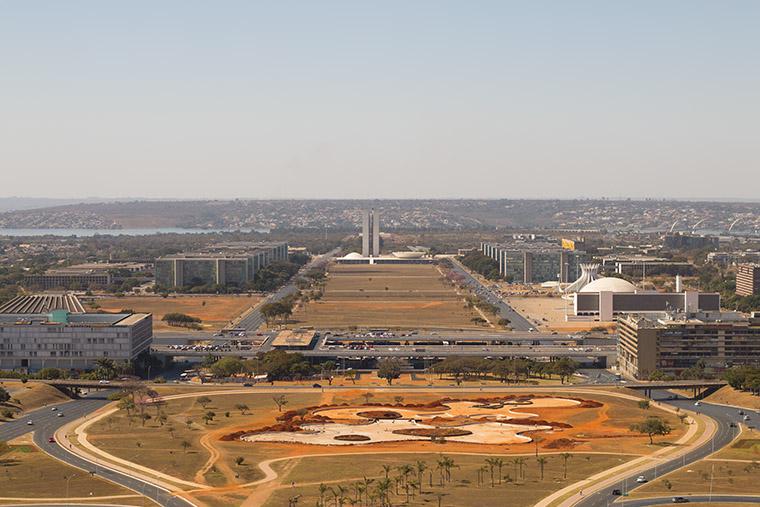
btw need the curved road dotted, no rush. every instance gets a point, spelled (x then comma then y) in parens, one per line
(46, 422)
(724, 434)
(718, 499)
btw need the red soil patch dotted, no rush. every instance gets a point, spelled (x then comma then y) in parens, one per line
(433, 432)
(379, 414)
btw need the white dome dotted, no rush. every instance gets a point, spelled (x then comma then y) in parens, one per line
(354, 255)
(609, 284)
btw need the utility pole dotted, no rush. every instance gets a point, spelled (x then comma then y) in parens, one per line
(712, 475)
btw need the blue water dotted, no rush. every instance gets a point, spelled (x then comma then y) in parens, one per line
(115, 232)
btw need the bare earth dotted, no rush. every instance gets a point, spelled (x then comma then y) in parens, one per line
(214, 314)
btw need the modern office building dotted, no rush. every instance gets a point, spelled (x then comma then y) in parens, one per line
(641, 266)
(748, 280)
(682, 241)
(228, 264)
(95, 275)
(371, 233)
(58, 338)
(671, 343)
(529, 261)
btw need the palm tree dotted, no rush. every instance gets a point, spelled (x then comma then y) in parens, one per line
(541, 462)
(383, 489)
(499, 464)
(565, 456)
(406, 471)
(387, 470)
(491, 462)
(322, 490)
(520, 462)
(421, 467)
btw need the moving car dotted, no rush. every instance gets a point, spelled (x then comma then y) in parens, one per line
(680, 499)
(641, 479)
(51, 440)
(317, 386)
(697, 403)
(104, 382)
(746, 418)
(616, 492)
(56, 408)
(60, 414)
(29, 423)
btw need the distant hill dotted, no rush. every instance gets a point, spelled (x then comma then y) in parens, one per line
(24, 203)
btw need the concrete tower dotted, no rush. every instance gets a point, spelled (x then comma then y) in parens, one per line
(366, 234)
(375, 233)
(371, 233)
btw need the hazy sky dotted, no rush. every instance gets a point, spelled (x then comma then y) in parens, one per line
(357, 99)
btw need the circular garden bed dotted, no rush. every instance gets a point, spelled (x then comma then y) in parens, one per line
(433, 432)
(379, 414)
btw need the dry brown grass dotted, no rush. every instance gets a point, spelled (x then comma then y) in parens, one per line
(27, 472)
(214, 311)
(387, 296)
(32, 395)
(729, 396)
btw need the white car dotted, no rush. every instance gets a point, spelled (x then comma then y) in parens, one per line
(104, 382)
(54, 409)
(697, 403)
(641, 479)
(29, 423)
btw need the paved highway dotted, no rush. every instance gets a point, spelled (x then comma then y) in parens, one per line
(517, 321)
(722, 415)
(46, 422)
(716, 499)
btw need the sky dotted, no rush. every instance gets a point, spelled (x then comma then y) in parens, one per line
(388, 99)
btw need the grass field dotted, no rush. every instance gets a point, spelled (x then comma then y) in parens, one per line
(214, 311)
(465, 488)
(388, 296)
(746, 447)
(26, 472)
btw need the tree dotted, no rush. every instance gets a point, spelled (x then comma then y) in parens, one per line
(421, 466)
(4, 396)
(209, 416)
(280, 401)
(367, 396)
(564, 368)
(242, 407)
(398, 400)
(227, 367)
(652, 426)
(239, 460)
(389, 369)
(541, 462)
(203, 401)
(565, 456)
(491, 462)
(644, 404)
(351, 375)
(185, 445)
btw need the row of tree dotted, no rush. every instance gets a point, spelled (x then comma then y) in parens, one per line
(482, 264)
(746, 378)
(506, 370)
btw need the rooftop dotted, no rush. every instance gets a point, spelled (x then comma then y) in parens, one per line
(42, 303)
